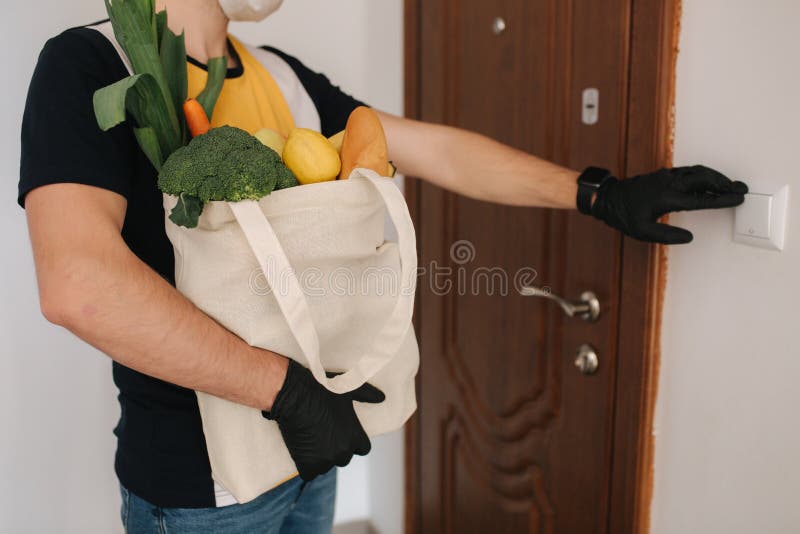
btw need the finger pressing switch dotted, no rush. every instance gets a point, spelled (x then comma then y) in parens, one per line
(761, 220)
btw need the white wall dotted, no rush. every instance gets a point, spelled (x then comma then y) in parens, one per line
(727, 433)
(57, 403)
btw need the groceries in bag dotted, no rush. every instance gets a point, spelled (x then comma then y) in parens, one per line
(328, 227)
(245, 231)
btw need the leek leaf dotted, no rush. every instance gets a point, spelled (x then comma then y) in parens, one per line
(110, 102)
(173, 58)
(161, 25)
(139, 96)
(217, 69)
(135, 27)
(148, 141)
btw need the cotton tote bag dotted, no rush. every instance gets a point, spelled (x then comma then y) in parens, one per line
(304, 272)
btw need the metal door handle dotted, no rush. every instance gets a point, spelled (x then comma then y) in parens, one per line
(588, 308)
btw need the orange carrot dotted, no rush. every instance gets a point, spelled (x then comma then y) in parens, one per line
(196, 118)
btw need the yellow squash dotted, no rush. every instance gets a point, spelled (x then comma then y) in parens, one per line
(311, 157)
(272, 139)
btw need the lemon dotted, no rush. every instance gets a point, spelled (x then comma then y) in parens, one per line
(311, 157)
(272, 139)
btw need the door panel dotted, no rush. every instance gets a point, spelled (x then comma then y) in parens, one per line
(512, 437)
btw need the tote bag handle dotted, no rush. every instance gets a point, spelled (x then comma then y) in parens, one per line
(292, 301)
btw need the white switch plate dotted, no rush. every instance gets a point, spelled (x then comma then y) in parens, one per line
(753, 218)
(761, 220)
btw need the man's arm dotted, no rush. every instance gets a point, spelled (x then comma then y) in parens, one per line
(477, 166)
(93, 285)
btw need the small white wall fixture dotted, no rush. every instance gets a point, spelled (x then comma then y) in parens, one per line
(761, 220)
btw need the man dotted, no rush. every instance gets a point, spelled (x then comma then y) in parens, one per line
(105, 266)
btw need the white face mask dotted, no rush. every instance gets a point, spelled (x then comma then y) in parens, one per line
(249, 10)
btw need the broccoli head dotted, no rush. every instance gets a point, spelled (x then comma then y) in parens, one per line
(224, 164)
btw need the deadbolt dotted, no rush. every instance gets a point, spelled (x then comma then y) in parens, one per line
(586, 360)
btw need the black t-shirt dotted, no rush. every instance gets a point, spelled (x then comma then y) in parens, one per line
(161, 452)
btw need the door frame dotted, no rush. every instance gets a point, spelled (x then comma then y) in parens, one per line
(655, 26)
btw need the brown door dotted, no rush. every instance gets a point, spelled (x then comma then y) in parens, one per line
(511, 436)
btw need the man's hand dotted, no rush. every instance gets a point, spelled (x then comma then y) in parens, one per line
(634, 206)
(320, 428)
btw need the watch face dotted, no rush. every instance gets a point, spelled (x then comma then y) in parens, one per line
(594, 176)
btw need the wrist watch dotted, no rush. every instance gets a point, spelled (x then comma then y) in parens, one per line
(589, 182)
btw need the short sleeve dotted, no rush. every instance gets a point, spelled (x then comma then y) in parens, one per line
(61, 142)
(333, 105)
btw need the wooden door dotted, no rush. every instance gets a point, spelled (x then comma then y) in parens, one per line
(511, 436)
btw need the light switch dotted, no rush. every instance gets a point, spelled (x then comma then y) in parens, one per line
(753, 217)
(761, 220)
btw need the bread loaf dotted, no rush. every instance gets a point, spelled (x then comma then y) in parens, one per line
(364, 143)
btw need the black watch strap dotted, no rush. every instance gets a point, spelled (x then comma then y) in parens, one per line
(589, 182)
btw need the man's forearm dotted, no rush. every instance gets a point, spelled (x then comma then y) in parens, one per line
(482, 168)
(477, 166)
(126, 310)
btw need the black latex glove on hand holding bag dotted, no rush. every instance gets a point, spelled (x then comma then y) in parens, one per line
(320, 428)
(634, 206)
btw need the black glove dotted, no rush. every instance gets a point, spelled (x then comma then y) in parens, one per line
(320, 428)
(634, 206)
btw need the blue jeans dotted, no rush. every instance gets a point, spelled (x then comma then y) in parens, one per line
(294, 507)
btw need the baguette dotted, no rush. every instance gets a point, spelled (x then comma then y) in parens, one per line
(364, 143)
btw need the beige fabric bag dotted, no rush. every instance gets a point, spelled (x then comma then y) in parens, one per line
(304, 272)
